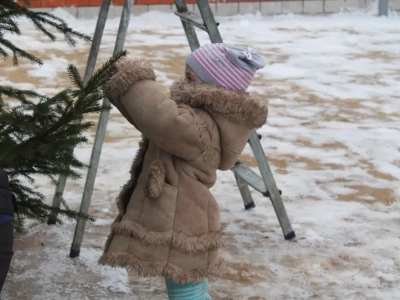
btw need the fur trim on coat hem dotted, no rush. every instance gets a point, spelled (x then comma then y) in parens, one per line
(165, 269)
(184, 243)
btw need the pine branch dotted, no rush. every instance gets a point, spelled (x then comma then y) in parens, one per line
(106, 71)
(36, 138)
(40, 20)
(16, 52)
(75, 77)
(9, 25)
(21, 95)
(3, 52)
(38, 133)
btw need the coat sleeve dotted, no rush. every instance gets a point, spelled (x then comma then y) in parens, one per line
(140, 100)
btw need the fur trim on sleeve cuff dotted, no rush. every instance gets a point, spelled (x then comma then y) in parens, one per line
(129, 72)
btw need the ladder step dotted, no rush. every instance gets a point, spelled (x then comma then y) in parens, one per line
(251, 178)
(193, 18)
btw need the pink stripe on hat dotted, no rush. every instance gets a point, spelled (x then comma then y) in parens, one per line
(208, 68)
(211, 69)
(225, 65)
(231, 75)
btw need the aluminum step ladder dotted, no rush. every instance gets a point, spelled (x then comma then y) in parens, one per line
(245, 177)
(101, 126)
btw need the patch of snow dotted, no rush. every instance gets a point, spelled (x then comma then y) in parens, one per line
(333, 92)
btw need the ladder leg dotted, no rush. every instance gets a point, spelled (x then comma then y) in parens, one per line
(191, 36)
(245, 193)
(91, 62)
(99, 139)
(266, 185)
(57, 199)
(209, 21)
(189, 28)
(269, 181)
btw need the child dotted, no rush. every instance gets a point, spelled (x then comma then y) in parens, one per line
(168, 223)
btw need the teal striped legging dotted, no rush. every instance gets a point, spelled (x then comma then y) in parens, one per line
(190, 291)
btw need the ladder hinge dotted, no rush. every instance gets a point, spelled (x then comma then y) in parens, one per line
(194, 19)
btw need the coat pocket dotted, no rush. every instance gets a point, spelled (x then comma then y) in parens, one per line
(158, 213)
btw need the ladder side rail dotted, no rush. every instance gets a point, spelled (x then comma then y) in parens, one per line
(269, 182)
(90, 65)
(99, 139)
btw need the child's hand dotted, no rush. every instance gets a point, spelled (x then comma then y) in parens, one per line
(127, 73)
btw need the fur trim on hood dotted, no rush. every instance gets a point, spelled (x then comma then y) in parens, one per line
(237, 107)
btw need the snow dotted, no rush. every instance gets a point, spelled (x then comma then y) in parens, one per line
(331, 139)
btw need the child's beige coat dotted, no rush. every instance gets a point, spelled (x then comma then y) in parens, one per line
(168, 222)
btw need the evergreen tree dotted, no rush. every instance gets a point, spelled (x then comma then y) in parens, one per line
(38, 132)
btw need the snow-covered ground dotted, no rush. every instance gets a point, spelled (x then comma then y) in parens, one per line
(332, 139)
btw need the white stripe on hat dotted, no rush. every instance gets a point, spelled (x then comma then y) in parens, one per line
(210, 71)
(240, 75)
(233, 73)
(234, 83)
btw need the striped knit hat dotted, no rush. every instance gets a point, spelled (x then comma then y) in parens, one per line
(226, 66)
